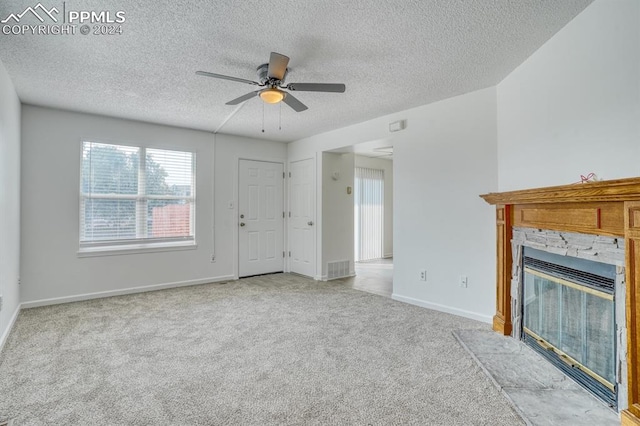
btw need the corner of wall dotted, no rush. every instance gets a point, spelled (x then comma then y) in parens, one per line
(10, 152)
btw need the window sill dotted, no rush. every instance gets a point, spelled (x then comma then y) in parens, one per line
(135, 249)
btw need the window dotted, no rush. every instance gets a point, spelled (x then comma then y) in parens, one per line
(135, 198)
(368, 196)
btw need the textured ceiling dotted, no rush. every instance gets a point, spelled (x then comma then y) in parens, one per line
(391, 54)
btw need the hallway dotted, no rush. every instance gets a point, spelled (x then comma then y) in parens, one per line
(373, 276)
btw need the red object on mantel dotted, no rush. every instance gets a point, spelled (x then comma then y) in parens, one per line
(591, 177)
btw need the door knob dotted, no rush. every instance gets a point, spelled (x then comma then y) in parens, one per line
(310, 223)
(241, 216)
(241, 223)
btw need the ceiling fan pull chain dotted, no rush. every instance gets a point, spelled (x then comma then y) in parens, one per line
(280, 117)
(263, 117)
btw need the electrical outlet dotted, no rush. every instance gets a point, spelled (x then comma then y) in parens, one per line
(213, 258)
(423, 275)
(463, 281)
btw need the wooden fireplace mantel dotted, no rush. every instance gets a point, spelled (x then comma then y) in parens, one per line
(610, 208)
(606, 190)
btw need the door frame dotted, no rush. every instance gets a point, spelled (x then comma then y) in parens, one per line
(316, 212)
(235, 222)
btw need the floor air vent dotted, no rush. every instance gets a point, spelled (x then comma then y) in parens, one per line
(339, 269)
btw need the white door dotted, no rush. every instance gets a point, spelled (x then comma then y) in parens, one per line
(260, 218)
(301, 225)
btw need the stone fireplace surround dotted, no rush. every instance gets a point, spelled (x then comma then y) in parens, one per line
(601, 209)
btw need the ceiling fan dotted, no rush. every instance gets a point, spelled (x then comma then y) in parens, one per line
(271, 77)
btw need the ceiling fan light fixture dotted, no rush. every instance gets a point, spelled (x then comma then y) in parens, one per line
(272, 96)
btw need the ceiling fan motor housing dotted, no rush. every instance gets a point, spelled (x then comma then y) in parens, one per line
(263, 75)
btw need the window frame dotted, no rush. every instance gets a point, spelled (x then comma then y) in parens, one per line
(140, 244)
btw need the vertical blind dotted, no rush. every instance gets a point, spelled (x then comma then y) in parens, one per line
(369, 213)
(130, 194)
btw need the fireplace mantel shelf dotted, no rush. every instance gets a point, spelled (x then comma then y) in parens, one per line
(610, 208)
(601, 191)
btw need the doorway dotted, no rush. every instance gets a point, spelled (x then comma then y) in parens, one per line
(260, 218)
(302, 217)
(375, 274)
(373, 218)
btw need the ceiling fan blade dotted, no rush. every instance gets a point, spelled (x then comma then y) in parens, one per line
(277, 66)
(294, 103)
(243, 98)
(317, 87)
(226, 77)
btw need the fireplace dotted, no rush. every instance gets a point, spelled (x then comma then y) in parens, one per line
(568, 316)
(567, 303)
(607, 213)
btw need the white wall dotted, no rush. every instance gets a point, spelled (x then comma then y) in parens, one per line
(574, 104)
(443, 160)
(446, 159)
(50, 266)
(337, 210)
(573, 107)
(9, 202)
(387, 166)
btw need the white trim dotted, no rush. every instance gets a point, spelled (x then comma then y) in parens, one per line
(12, 322)
(387, 256)
(132, 290)
(326, 277)
(316, 214)
(442, 308)
(117, 250)
(317, 210)
(213, 203)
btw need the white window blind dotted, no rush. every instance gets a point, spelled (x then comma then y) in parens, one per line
(132, 196)
(369, 213)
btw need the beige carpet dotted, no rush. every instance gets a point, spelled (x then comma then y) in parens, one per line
(268, 350)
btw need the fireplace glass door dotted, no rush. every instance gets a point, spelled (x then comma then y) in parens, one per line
(572, 324)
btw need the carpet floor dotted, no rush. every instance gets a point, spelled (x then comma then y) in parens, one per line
(271, 350)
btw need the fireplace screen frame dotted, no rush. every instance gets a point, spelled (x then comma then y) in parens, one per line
(563, 275)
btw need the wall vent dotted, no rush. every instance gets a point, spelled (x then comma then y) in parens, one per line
(339, 269)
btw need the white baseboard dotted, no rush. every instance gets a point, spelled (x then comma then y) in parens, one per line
(12, 321)
(442, 308)
(110, 293)
(326, 278)
(387, 256)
